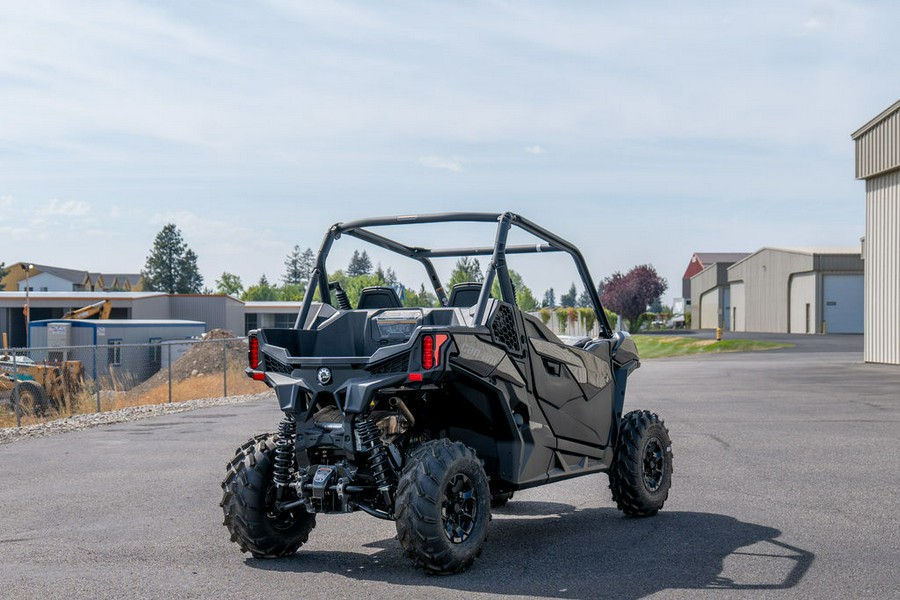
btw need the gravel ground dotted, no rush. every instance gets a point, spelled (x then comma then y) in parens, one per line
(132, 413)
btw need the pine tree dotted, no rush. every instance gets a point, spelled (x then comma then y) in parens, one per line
(584, 300)
(307, 262)
(171, 266)
(549, 299)
(293, 267)
(190, 281)
(360, 264)
(570, 299)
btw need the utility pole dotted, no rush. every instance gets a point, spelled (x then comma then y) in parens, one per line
(27, 305)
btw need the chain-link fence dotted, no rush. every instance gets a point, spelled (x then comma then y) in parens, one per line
(39, 384)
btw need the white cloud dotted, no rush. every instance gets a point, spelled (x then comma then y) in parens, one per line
(68, 208)
(439, 162)
(534, 149)
(6, 202)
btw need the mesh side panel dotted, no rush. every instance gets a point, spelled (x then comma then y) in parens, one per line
(503, 329)
(397, 364)
(276, 366)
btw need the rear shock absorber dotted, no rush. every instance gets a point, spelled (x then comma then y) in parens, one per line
(369, 439)
(284, 453)
(340, 295)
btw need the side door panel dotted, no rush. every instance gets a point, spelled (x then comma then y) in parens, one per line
(574, 388)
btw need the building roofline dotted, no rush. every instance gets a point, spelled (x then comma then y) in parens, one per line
(873, 122)
(804, 251)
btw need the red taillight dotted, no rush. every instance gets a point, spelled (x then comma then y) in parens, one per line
(427, 352)
(253, 355)
(431, 349)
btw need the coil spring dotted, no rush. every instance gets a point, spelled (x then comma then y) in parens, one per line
(370, 441)
(284, 451)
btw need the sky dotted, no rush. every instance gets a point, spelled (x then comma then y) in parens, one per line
(641, 131)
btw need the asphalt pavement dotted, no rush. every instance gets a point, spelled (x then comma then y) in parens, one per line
(786, 486)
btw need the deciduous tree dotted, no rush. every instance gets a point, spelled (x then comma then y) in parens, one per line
(230, 284)
(466, 269)
(629, 294)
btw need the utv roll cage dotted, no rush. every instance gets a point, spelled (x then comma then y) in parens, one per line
(496, 268)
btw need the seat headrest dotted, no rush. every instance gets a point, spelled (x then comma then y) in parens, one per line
(378, 297)
(465, 294)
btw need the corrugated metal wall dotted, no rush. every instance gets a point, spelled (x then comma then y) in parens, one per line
(882, 266)
(738, 307)
(706, 295)
(709, 310)
(804, 314)
(878, 149)
(766, 287)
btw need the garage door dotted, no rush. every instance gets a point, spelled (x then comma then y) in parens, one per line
(843, 300)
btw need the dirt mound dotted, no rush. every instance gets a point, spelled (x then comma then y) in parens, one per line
(204, 357)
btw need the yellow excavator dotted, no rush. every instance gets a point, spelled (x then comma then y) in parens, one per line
(102, 308)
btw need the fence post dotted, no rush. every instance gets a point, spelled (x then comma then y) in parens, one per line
(97, 381)
(225, 368)
(16, 392)
(169, 352)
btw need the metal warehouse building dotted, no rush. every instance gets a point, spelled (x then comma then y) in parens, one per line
(710, 292)
(797, 290)
(878, 163)
(218, 312)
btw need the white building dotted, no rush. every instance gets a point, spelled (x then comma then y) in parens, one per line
(878, 163)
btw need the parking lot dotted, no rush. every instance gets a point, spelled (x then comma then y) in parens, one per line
(786, 485)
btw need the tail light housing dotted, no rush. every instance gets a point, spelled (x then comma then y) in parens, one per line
(431, 349)
(253, 353)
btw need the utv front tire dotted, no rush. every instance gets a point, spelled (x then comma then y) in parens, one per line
(248, 503)
(641, 473)
(443, 507)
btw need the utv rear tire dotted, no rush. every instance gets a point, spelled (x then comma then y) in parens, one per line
(641, 473)
(443, 507)
(247, 501)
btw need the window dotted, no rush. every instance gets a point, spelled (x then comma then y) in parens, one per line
(251, 321)
(156, 351)
(285, 321)
(114, 353)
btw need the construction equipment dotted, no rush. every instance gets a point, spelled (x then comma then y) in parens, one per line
(41, 386)
(102, 308)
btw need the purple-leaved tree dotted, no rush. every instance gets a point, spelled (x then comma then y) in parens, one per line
(629, 295)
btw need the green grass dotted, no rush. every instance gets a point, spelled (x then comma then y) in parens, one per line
(659, 346)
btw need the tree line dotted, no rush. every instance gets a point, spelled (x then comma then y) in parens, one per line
(172, 267)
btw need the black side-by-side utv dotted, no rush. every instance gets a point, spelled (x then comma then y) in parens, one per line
(431, 416)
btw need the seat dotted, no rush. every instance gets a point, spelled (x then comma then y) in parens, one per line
(465, 294)
(378, 297)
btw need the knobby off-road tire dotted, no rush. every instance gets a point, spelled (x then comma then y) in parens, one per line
(248, 496)
(641, 473)
(442, 507)
(32, 399)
